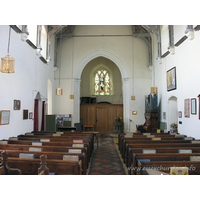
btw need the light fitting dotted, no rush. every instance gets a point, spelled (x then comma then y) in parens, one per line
(7, 62)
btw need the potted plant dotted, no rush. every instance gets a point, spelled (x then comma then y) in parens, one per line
(118, 123)
(174, 127)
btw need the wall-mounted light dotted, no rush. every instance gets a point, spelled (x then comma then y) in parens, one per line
(189, 32)
(134, 112)
(172, 50)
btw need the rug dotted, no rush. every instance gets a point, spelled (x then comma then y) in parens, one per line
(105, 159)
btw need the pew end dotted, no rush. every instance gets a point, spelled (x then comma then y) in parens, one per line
(6, 169)
(43, 169)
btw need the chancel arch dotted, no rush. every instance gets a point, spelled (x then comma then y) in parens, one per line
(125, 83)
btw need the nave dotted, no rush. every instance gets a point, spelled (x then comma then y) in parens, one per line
(105, 159)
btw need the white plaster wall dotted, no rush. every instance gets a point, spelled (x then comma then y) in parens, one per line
(31, 75)
(186, 60)
(131, 52)
(141, 81)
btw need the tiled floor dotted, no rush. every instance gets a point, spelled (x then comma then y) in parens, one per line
(105, 159)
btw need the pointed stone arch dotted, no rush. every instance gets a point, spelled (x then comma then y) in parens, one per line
(125, 80)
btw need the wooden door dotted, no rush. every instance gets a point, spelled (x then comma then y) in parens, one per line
(102, 116)
(102, 119)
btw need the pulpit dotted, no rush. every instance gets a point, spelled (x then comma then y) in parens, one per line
(151, 121)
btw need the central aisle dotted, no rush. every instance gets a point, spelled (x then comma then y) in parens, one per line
(105, 160)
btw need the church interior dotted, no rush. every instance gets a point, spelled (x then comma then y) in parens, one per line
(100, 99)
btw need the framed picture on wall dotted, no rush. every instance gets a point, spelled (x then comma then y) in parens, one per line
(193, 106)
(30, 115)
(4, 117)
(164, 115)
(187, 108)
(17, 105)
(25, 114)
(171, 79)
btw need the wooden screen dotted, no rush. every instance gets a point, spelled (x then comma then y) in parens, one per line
(102, 116)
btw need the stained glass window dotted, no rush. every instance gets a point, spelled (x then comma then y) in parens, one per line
(102, 83)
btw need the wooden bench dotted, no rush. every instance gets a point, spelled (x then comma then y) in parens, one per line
(122, 135)
(58, 142)
(126, 153)
(160, 157)
(37, 143)
(5, 169)
(59, 167)
(122, 139)
(193, 166)
(160, 150)
(43, 169)
(50, 155)
(96, 133)
(61, 146)
(86, 139)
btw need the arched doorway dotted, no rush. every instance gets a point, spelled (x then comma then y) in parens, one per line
(39, 113)
(125, 84)
(49, 97)
(172, 112)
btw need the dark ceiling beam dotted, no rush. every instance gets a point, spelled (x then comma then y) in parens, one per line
(156, 30)
(146, 37)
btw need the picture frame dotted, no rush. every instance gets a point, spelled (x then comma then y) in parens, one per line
(180, 114)
(193, 106)
(199, 106)
(171, 79)
(164, 115)
(17, 105)
(187, 108)
(25, 114)
(30, 115)
(5, 117)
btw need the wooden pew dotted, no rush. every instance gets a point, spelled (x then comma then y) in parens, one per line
(65, 138)
(62, 134)
(43, 148)
(193, 166)
(161, 150)
(59, 167)
(1, 170)
(121, 136)
(151, 140)
(58, 143)
(154, 143)
(5, 169)
(50, 155)
(59, 149)
(160, 157)
(87, 142)
(123, 139)
(30, 166)
(43, 169)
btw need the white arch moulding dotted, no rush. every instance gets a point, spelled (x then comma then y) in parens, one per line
(77, 80)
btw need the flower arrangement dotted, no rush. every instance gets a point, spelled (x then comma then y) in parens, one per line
(118, 119)
(174, 126)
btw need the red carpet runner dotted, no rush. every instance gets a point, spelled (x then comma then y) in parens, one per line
(105, 160)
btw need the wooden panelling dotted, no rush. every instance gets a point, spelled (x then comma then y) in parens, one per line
(102, 116)
(102, 119)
